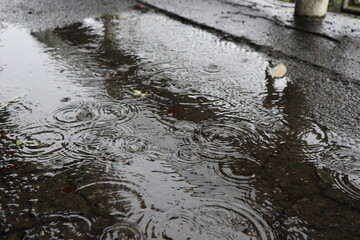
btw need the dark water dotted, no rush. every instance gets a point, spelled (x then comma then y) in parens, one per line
(215, 150)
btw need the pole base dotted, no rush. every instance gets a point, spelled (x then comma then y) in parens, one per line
(311, 8)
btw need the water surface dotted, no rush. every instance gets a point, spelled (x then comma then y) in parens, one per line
(215, 150)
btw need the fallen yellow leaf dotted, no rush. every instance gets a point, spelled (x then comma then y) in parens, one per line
(19, 142)
(138, 93)
(279, 71)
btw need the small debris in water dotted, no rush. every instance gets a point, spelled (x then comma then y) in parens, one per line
(141, 8)
(33, 201)
(19, 142)
(49, 175)
(138, 93)
(278, 71)
(226, 37)
(65, 99)
(68, 189)
(175, 110)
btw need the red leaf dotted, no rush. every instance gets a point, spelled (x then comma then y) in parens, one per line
(141, 8)
(68, 189)
(175, 110)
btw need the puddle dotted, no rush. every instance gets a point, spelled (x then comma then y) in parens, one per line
(214, 151)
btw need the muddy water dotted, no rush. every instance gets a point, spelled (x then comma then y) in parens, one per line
(214, 150)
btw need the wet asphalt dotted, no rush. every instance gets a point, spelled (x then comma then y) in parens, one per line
(302, 188)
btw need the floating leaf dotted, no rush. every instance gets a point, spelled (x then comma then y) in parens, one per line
(68, 189)
(175, 110)
(141, 8)
(19, 142)
(139, 93)
(279, 71)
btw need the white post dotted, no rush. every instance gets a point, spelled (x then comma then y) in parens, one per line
(311, 8)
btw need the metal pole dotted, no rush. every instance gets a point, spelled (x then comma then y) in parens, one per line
(311, 8)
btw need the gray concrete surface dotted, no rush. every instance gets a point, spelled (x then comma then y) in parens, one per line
(332, 45)
(48, 14)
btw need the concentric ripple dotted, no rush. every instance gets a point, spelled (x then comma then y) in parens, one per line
(109, 143)
(16, 114)
(182, 128)
(133, 145)
(313, 140)
(119, 199)
(349, 183)
(209, 221)
(212, 68)
(121, 232)
(78, 115)
(41, 142)
(219, 141)
(188, 154)
(61, 226)
(239, 171)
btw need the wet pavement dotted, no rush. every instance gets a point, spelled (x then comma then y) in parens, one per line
(269, 26)
(213, 149)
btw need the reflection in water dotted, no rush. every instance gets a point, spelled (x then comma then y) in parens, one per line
(215, 151)
(87, 114)
(239, 172)
(72, 226)
(19, 113)
(121, 231)
(223, 141)
(40, 142)
(210, 220)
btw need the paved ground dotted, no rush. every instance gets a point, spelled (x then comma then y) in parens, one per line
(323, 57)
(326, 53)
(269, 26)
(333, 44)
(308, 113)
